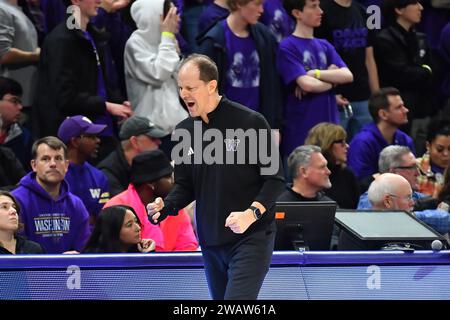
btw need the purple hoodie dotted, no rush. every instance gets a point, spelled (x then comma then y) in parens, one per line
(366, 146)
(58, 225)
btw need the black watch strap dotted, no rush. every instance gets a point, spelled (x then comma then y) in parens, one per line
(256, 212)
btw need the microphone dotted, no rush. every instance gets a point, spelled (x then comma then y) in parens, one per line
(436, 245)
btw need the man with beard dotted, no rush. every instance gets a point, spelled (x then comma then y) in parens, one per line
(310, 175)
(87, 182)
(52, 215)
(151, 177)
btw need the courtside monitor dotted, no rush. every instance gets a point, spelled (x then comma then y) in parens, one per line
(385, 230)
(304, 226)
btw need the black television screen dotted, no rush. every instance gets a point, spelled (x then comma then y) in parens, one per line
(377, 229)
(304, 225)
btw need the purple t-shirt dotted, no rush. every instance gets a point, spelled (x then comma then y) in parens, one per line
(295, 58)
(277, 20)
(243, 71)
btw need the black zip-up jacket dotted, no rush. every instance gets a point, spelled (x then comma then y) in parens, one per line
(213, 45)
(220, 189)
(67, 83)
(400, 55)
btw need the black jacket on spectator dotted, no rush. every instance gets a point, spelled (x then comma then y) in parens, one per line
(67, 83)
(400, 55)
(213, 45)
(11, 171)
(117, 170)
(24, 246)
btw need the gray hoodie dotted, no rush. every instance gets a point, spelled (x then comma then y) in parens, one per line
(151, 65)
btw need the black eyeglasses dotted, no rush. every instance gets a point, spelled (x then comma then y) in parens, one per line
(342, 142)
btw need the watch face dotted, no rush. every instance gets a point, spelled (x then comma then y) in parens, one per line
(256, 212)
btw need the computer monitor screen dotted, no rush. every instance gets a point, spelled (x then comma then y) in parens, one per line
(377, 229)
(304, 225)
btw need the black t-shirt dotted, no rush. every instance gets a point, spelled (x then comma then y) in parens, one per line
(291, 196)
(346, 29)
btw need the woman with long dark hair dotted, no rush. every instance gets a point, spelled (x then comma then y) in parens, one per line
(10, 241)
(118, 230)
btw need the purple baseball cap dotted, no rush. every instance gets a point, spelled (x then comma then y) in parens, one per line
(76, 126)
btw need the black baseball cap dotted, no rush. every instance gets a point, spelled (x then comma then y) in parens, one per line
(137, 125)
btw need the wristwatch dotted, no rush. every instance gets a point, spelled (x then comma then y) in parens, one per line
(256, 212)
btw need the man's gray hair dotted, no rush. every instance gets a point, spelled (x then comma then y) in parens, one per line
(391, 157)
(301, 157)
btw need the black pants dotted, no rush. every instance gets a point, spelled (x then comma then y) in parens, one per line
(237, 271)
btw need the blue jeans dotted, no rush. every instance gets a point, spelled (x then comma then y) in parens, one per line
(361, 117)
